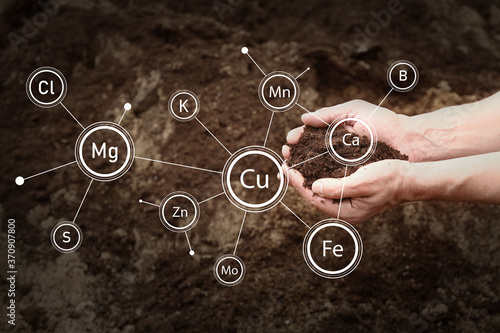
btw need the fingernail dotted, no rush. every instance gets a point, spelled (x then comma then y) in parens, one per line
(278, 175)
(317, 187)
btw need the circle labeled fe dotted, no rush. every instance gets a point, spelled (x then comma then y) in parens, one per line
(46, 87)
(351, 147)
(229, 270)
(179, 212)
(332, 248)
(66, 237)
(279, 91)
(104, 151)
(184, 105)
(248, 181)
(403, 76)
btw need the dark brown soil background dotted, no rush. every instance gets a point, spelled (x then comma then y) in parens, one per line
(312, 143)
(426, 266)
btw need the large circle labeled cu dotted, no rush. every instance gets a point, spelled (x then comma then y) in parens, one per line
(343, 226)
(80, 159)
(351, 119)
(233, 197)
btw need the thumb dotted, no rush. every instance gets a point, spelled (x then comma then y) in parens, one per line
(334, 188)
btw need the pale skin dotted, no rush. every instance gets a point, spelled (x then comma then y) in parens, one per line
(454, 155)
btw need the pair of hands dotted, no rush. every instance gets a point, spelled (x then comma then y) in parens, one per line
(374, 187)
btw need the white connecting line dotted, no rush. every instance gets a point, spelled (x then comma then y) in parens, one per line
(176, 164)
(342, 192)
(239, 234)
(303, 108)
(81, 203)
(378, 106)
(295, 215)
(310, 159)
(269, 128)
(215, 196)
(72, 115)
(213, 135)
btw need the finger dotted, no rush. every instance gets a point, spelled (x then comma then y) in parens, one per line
(334, 188)
(329, 114)
(285, 150)
(294, 135)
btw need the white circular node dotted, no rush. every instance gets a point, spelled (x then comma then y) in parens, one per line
(244, 50)
(402, 76)
(19, 181)
(103, 151)
(127, 106)
(184, 105)
(179, 212)
(56, 77)
(191, 253)
(229, 270)
(63, 236)
(288, 97)
(229, 187)
(331, 250)
(361, 125)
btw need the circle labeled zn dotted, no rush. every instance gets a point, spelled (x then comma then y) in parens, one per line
(179, 212)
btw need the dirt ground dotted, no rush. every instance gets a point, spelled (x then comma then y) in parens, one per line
(426, 266)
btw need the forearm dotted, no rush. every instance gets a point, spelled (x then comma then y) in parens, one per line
(457, 131)
(473, 179)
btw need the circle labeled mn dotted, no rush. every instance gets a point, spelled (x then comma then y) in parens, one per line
(279, 91)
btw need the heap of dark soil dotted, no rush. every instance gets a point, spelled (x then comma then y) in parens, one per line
(312, 143)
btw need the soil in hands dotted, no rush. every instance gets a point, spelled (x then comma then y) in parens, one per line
(312, 143)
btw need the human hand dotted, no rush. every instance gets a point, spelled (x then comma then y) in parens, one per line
(366, 193)
(392, 128)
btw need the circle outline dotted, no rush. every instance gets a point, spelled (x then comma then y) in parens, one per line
(347, 161)
(296, 93)
(78, 232)
(415, 71)
(102, 176)
(239, 279)
(191, 224)
(171, 106)
(327, 274)
(61, 78)
(226, 182)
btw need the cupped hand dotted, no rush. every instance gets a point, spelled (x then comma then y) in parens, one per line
(367, 192)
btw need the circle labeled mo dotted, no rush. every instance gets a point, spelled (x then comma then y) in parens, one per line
(351, 140)
(279, 91)
(104, 151)
(249, 179)
(179, 211)
(66, 237)
(332, 248)
(46, 87)
(229, 270)
(402, 76)
(184, 105)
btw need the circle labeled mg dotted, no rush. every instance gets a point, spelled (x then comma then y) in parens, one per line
(66, 237)
(351, 140)
(46, 87)
(332, 248)
(279, 91)
(229, 270)
(249, 179)
(179, 211)
(104, 151)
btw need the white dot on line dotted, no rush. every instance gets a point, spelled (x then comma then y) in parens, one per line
(140, 200)
(244, 50)
(191, 252)
(127, 106)
(19, 180)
